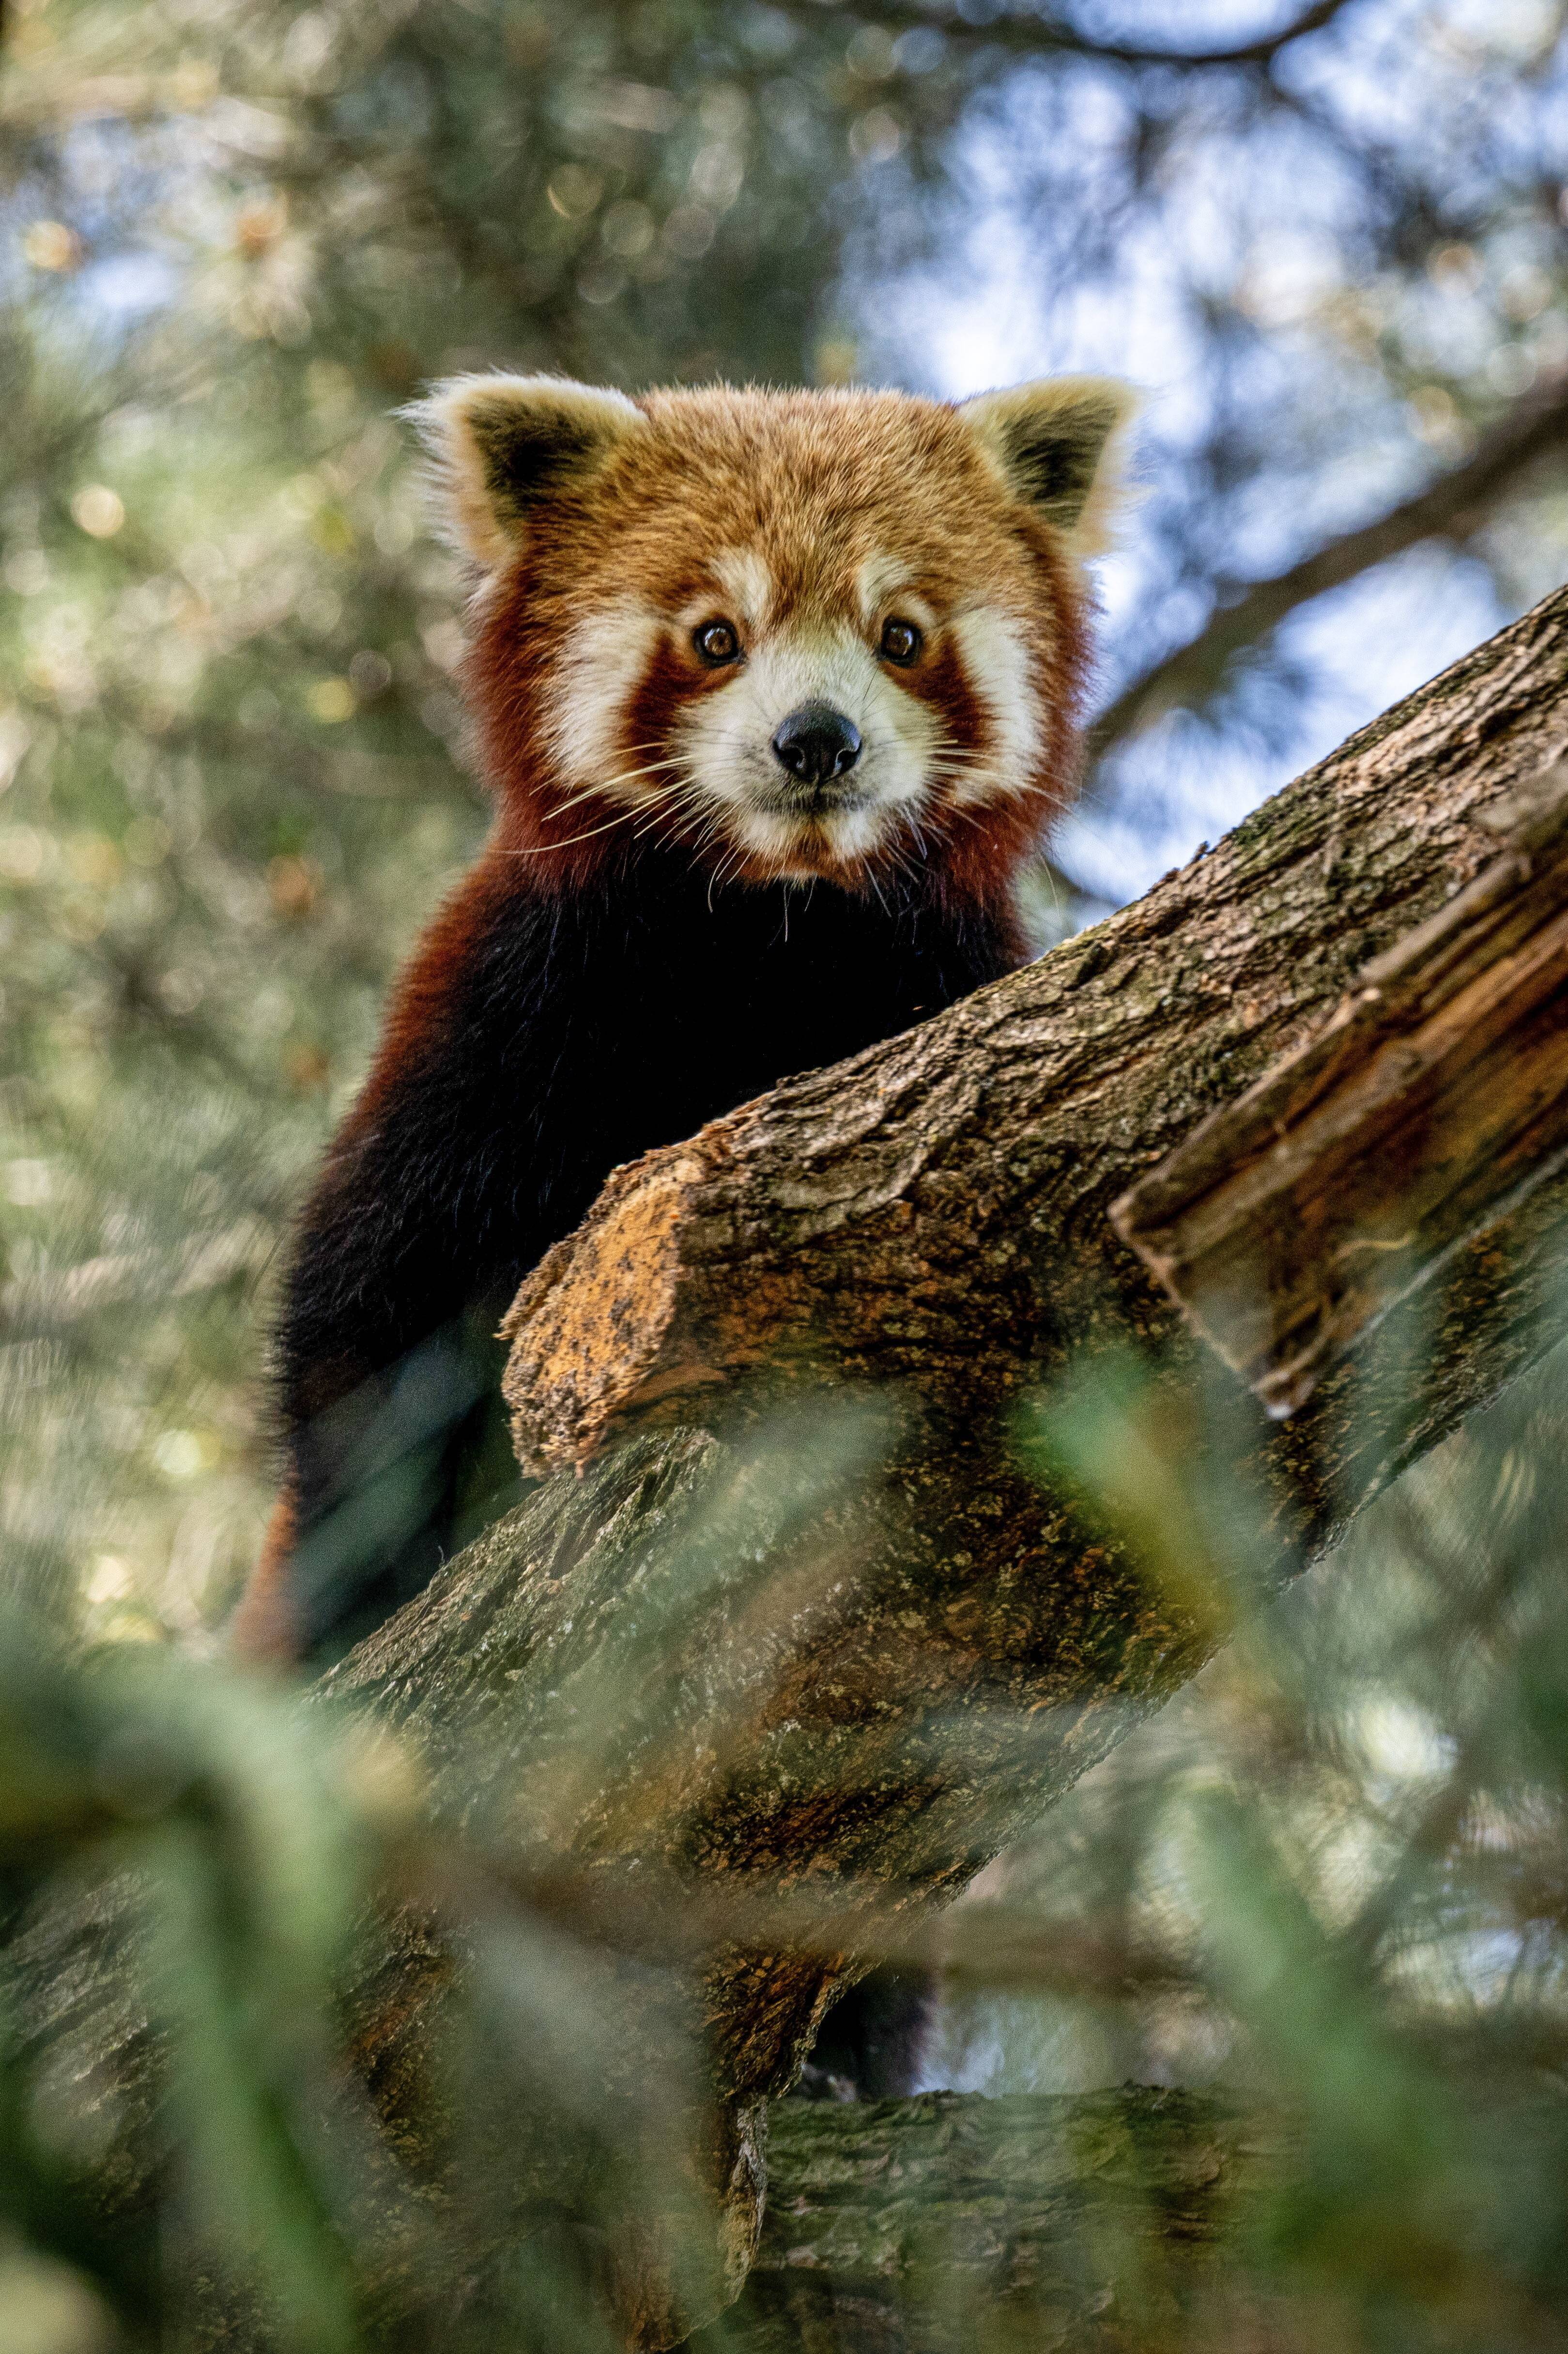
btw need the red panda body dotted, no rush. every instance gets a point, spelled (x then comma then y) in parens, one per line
(542, 1036)
(774, 692)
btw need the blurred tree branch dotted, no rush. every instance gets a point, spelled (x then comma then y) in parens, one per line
(1035, 35)
(998, 2202)
(1455, 506)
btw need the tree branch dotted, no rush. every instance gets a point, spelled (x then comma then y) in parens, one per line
(788, 1641)
(934, 1214)
(1293, 1220)
(1044, 2219)
(1039, 35)
(1458, 505)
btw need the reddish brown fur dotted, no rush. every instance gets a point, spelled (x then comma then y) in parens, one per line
(814, 484)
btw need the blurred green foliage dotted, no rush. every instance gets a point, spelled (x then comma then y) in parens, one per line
(247, 1840)
(1330, 1877)
(197, 1873)
(1326, 1886)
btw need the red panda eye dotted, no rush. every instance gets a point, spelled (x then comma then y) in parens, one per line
(717, 642)
(901, 642)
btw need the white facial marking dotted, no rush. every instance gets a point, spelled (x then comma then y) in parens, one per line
(748, 584)
(743, 788)
(995, 657)
(604, 660)
(885, 587)
(878, 580)
(719, 770)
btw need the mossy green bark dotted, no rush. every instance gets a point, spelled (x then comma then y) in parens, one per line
(1095, 2222)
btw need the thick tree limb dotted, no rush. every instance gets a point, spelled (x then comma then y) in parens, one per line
(867, 1676)
(1455, 506)
(935, 1649)
(1434, 1098)
(790, 1646)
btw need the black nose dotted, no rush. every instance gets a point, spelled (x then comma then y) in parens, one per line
(817, 743)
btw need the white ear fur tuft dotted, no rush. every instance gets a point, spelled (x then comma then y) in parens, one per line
(500, 444)
(1059, 444)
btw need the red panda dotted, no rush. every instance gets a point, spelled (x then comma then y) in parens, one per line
(774, 692)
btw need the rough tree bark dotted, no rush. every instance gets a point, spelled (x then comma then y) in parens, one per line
(1041, 2220)
(1294, 1219)
(807, 1660)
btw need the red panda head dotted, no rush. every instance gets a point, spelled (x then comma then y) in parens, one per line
(805, 634)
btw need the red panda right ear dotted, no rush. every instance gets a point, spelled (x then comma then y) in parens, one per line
(502, 444)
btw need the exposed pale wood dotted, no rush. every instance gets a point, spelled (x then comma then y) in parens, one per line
(1434, 1099)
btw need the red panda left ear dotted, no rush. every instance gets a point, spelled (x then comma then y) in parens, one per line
(1058, 444)
(501, 445)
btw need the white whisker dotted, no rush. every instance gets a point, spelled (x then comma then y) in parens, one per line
(608, 785)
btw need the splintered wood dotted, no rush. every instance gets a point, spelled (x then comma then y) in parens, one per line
(1431, 1101)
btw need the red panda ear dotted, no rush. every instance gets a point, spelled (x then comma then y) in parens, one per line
(502, 444)
(1058, 445)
